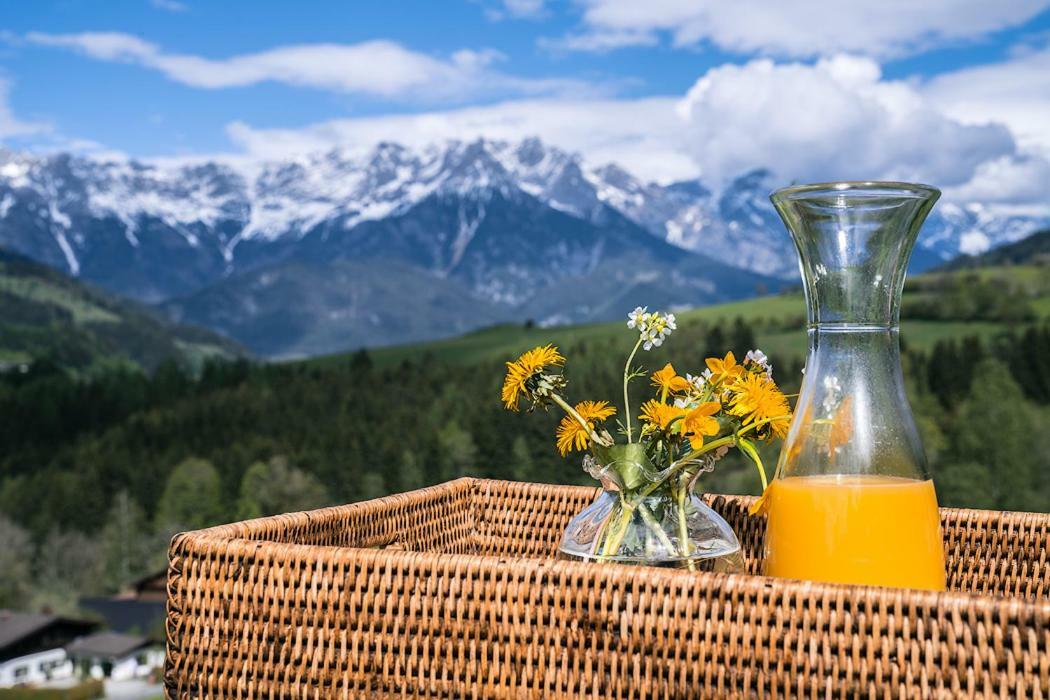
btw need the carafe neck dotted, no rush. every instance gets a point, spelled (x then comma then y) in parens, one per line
(854, 241)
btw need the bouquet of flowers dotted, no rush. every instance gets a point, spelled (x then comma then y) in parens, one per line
(648, 511)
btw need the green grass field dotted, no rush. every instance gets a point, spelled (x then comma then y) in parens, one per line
(508, 340)
(47, 292)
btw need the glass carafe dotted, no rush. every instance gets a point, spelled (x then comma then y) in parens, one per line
(853, 502)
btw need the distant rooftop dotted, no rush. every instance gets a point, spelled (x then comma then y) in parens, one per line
(16, 626)
(107, 644)
(22, 633)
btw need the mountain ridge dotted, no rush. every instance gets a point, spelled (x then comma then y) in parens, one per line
(1032, 250)
(213, 208)
(520, 259)
(511, 223)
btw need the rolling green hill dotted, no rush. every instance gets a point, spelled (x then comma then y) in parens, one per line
(970, 302)
(106, 457)
(46, 315)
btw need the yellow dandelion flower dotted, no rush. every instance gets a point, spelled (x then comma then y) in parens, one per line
(571, 433)
(699, 422)
(524, 368)
(725, 370)
(668, 381)
(756, 398)
(658, 415)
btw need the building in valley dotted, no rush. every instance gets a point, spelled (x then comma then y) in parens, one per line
(116, 656)
(33, 647)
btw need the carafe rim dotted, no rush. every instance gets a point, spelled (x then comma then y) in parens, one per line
(860, 187)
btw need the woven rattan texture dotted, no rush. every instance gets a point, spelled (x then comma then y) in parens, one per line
(453, 591)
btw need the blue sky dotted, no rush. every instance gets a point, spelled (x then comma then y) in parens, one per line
(669, 88)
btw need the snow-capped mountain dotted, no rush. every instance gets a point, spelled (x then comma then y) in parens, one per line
(494, 222)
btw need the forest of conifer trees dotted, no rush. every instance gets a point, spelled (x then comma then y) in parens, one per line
(99, 471)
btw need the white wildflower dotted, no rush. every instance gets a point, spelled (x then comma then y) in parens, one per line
(653, 341)
(698, 382)
(653, 328)
(759, 358)
(638, 317)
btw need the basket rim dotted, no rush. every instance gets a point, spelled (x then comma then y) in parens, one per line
(604, 577)
(229, 538)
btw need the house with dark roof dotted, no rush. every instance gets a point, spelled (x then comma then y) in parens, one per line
(114, 655)
(32, 646)
(138, 609)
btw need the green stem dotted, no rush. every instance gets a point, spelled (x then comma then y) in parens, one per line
(684, 462)
(721, 442)
(626, 398)
(748, 448)
(599, 539)
(683, 532)
(647, 517)
(615, 537)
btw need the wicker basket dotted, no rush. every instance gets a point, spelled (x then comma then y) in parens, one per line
(454, 591)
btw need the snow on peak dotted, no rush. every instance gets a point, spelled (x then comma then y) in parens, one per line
(225, 203)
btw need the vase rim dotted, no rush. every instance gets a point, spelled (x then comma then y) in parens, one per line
(860, 187)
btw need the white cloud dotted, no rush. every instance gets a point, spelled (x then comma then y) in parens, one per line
(1014, 92)
(600, 41)
(976, 133)
(804, 28)
(169, 5)
(1019, 181)
(834, 120)
(497, 10)
(837, 119)
(11, 126)
(523, 8)
(380, 68)
(641, 134)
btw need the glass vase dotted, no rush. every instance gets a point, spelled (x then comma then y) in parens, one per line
(853, 502)
(645, 517)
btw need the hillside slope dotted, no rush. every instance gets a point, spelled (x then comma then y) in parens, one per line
(777, 320)
(46, 315)
(402, 279)
(387, 420)
(523, 229)
(1033, 250)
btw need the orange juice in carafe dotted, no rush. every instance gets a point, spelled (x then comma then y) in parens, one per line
(853, 502)
(874, 530)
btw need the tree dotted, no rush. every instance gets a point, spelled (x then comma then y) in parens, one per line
(16, 557)
(969, 483)
(127, 549)
(411, 472)
(67, 566)
(169, 381)
(522, 466)
(459, 454)
(998, 447)
(743, 337)
(269, 488)
(361, 361)
(715, 342)
(192, 497)
(373, 486)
